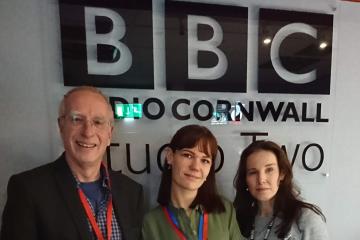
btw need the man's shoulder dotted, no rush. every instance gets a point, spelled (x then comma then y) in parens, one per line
(118, 177)
(35, 172)
(121, 183)
(39, 173)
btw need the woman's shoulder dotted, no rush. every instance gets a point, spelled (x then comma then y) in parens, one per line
(155, 227)
(309, 216)
(312, 225)
(153, 213)
(227, 203)
(225, 200)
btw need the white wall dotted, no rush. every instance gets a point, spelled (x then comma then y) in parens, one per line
(31, 87)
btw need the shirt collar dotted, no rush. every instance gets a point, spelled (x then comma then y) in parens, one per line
(104, 176)
(198, 208)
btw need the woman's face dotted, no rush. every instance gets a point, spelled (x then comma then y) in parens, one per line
(262, 175)
(190, 168)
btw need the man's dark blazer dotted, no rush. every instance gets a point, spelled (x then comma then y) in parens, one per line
(43, 203)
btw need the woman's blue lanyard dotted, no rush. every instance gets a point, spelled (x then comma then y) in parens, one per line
(175, 224)
(268, 229)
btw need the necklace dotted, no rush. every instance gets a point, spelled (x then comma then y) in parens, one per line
(268, 230)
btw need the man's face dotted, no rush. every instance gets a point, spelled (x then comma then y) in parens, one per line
(85, 128)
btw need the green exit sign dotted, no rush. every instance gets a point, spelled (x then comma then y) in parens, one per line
(128, 111)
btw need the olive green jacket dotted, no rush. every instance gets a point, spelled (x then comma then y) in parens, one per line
(222, 226)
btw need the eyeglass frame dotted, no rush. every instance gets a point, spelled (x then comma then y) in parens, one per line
(73, 115)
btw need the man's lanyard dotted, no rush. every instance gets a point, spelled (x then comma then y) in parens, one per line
(92, 219)
(268, 229)
(202, 228)
(90, 215)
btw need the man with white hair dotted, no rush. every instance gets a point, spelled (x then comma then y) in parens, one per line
(76, 197)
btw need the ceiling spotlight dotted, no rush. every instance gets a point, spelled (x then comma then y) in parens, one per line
(267, 40)
(323, 45)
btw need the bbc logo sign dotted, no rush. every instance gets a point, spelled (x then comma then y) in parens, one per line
(109, 44)
(298, 60)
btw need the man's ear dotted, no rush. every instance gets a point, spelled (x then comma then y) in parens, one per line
(60, 124)
(110, 134)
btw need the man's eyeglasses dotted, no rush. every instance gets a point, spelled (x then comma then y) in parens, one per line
(78, 120)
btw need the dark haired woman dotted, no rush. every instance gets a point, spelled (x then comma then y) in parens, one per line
(190, 208)
(267, 203)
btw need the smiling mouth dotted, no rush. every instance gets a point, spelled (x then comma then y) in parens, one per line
(192, 176)
(85, 145)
